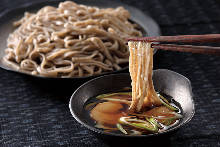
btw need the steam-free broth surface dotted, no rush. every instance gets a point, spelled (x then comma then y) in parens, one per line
(111, 113)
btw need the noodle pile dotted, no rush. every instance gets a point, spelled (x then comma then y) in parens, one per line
(70, 41)
(140, 68)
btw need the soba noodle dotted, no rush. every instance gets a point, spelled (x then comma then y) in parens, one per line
(71, 40)
(140, 112)
(140, 68)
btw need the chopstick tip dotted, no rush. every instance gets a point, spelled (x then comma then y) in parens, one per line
(138, 39)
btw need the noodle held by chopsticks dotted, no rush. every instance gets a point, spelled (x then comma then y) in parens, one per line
(141, 70)
(70, 41)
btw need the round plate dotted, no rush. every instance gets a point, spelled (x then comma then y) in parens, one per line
(148, 26)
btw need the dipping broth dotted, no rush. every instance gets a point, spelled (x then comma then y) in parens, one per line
(111, 113)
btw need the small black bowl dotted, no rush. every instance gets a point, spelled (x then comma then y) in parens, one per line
(165, 81)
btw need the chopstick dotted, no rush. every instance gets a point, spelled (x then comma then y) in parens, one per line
(208, 38)
(188, 48)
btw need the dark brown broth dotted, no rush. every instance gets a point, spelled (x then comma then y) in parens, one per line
(106, 114)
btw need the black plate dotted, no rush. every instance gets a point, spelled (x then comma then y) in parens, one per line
(165, 81)
(148, 26)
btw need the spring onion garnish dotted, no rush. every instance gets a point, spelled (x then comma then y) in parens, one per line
(169, 121)
(120, 128)
(140, 124)
(177, 116)
(117, 100)
(166, 103)
(147, 126)
(112, 94)
(126, 120)
(154, 121)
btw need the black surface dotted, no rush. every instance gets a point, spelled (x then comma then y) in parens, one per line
(34, 114)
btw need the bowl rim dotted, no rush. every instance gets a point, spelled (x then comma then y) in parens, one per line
(96, 130)
(151, 32)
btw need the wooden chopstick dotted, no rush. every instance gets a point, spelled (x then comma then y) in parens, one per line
(189, 48)
(207, 38)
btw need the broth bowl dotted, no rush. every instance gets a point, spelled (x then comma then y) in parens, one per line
(165, 81)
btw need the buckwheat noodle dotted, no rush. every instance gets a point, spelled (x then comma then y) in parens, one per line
(141, 70)
(70, 41)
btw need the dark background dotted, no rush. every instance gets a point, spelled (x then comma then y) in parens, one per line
(34, 112)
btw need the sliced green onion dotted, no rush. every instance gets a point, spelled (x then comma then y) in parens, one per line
(166, 103)
(154, 121)
(177, 116)
(104, 95)
(162, 97)
(137, 123)
(169, 121)
(126, 120)
(112, 94)
(146, 126)
(120, 128)
(117, 100)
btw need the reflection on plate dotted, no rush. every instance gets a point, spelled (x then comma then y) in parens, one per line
(146, 23)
